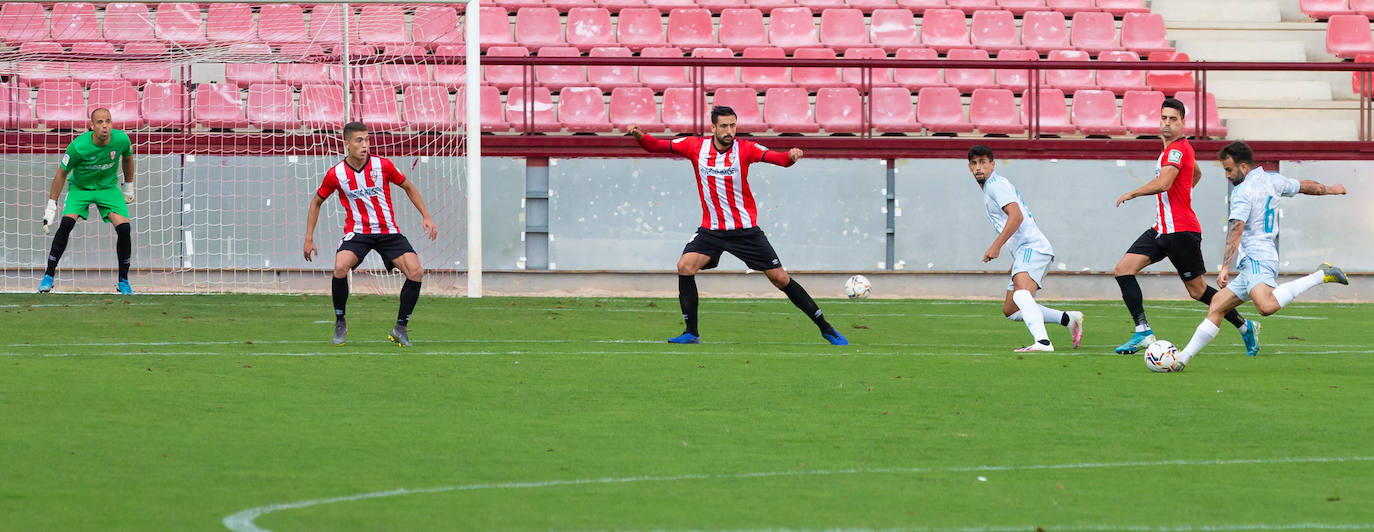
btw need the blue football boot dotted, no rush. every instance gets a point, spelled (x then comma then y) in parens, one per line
(1138, 341)
(45, 285)
(123, 287)
(685, 338)
(835, 338)
(1251, 338)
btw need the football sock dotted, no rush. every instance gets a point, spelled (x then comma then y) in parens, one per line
(410, 294)
(59, 243)
(803, 301)
(1031, 314)
(340, 292)
(1206, 331)
(124, 247)
(1135, 301)
(1232, 316)
(1050, 315)
(687, 299)
(1290, 290)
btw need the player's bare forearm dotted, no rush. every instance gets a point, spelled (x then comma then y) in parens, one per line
(413, 192)
(312, 217)
(1233, 232)
(1197, 174)
(1160, 183)
(58, 181)
(128, 165)
(1313, 188)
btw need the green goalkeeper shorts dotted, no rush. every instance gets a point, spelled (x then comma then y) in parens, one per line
(108, 200)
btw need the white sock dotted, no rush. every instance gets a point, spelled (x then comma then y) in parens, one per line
(1244, 327)
(1290, 290)
(1015, 316)
(1051, 315)
(1206, 331)
(1030, 313)
(1142, 328)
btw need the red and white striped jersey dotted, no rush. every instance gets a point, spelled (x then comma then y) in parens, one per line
(1174, 207)
(365, 195)
(722, 177)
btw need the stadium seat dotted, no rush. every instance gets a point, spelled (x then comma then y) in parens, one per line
(1071, 7)
(1020, 7)
(634, 105)
(1044, 31)
(1358, 79)
(971, 6)
(1094, 32)
(382, 25)
(537, 27)
(126, 22)
(968, 80)
(668, 5)
(719, 6)
(1120, 81)
(843, 28)
(590, 27)
(662, 77)
(321, 106)
(718, 77)
(1348, 36)
(818, 5)
(1121, 8)
(379, 109)
(1143, 33)
(399, 74)
(218, 105)
(1094, 113)
(326, 29)
(893, 29)
(745, 102)
(791, 28)
(36, 72)
(940, 110)
(610, 77)
(271, 106)
(1054, 112)
(245, 74)
(74, 22)
(282, 24)
(490, 110)
(139, 73)
(435, 26)
(179, 23)
(450, 75)
(540, 107)
(993, 112)
(164, 105)
(691, 28)
(495, 27)
(679, 112)
(765, 77)
(555, 77)
(1169, 81)
(505, 76)
(813, 78)
(944, 29)
(23, 22)
(882, 77)
(1190, 120)
(788, 110)
(298, 73)
(583, 110)
(840, 110)
(1140, 111)
(613, 6)
(1363, 7)
(95, 70)
(1069, 81)
(869, 6)
(892, 111)
(1014, 79)
(742, 28)
(767, 5)
(918, 78)
(230, 23)
(1323, 9)
(917, 6)
(121, 98)
(994, 30)
(516, 5)
(15, 110)
(640, 28)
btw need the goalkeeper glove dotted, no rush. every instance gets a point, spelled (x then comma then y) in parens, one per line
(49, 214)
(129, 191)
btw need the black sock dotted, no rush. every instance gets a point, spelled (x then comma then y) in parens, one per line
(124, 247)
(1135, 301)
(803, 301)
(1232, 315)
(59, 243)
(1064, 319)
(410, 294)
(687, 299)
(340, 292)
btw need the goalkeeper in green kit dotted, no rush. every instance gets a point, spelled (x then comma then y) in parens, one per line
(91, 165)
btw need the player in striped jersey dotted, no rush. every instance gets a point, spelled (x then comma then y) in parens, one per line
(364, 184)
(1176, 234)
(729, 217)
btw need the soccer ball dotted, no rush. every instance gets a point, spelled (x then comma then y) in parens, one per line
(1162, 357)
(857, 287)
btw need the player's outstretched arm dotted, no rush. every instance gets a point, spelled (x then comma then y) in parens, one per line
(413, 192)
(1313, 188)
(311, 218)
(1160, 183)
(54, 192)
(128, 165)
(648, 142)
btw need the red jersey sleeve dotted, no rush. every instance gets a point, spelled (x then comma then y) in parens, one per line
(329, 186)
(392, 174)
(755, 152)
(1177, 155)
(684, 146)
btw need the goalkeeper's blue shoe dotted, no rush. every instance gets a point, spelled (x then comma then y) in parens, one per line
(1138, 341)
(686, 338)
(1251, 337)
(835, 338)
(123, 287)
(45, 285)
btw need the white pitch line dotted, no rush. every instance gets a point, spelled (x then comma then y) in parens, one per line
(411, 352)
(1109, 528)
(243, 521)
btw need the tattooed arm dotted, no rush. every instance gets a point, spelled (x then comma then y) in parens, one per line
(1232, 247)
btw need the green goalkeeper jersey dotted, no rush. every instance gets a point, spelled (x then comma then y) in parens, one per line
(92, 167)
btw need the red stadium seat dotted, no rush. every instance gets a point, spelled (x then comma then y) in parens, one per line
(1169, 81)
(490, 114)
(813, 78)
(36, 72)
(843, 28)
(869, 6)
(590, 27)
(662, 77)
(299, 73)
(379, 108)
(1020, 7)
(789, 111)
(791, 28)
(495, 27)
(282, 24)
(745, 102)
(383, 25)
(399, 74)
(970, 6)
(74, 22)
(230, 23)
(270, 106)
(968, 80)
(1348, 36)
(1190, 120)
(218, 105)
(640, 28)
(940, 110)
(718, 6)
(583, 110)
(993, 112)
(765, 77)
(679, 111)
(1120, 81)
(994, 31)
(121, 98)
(1143, 33)
(1363, 7)
(691, 28)
(326, 29)
(918, 78)
(245, 74)
(89, 71)
(840, 110)
(893, 111)
(179, 23)
(668, 5)
(505, 76)
(436, 26)
(451, 75)
(613, 6)
(1120, 8)
(23, 22)
(1070, 81)
(1323, 9)
(1094, 32)
(612, 76)
(322, 106)
(125, 22)
(1070, 7)
(1094, 113)
(882, 77)
(537, 27)
(1054, 113)
(635, 105)
(1015, 79)
(818, 5)
(893, 29)
(516, 5)
(1044, 31)
(139, 73)
(944, 29)
(15, 110)
(718, 77)
(555, 77)
(742, 28)
(767, 5)
(1362, 82)
(542, 117)
(922, 5)
(1140, 111)
(164, 105)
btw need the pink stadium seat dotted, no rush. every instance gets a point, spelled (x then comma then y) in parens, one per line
(299, 73)
(791, 28)
(635, 105)
(326, 29)
(139, 73)
(555, 77)
(270, 106)
(994, 30)
(765, 77)
(245, 74)
(1169, 81)
(970, 6)
(490, 111)
(218, 105)
(36, 72)
(662, 77)
(679, 112)
(1323, 9)
(1044, 31)
(516, 5)
(1015, 79)
(691, 28)
(74, 22)
(1054, 113)
(993, 112)
(1094, 113)
(164, 105)
(583, 110)
(718, 77)
(230, 23)
(1020, 7)
(918, 6)
(379, 109)
(940, 110)
(436, 26)
(968, 80)
(398, 74)
(668, 5)
(322, 106)
(944, 29)
(818, 5)
(495, 27)
(125, 22)
(918, 78)
(612, 76)
(1071, 7)
(869, 6)
(1120, 81)
(839, 110)
(742, 28)
(590, 27)
(1094, 32)
(745, 102)
(537, 27)
(121, 98)
(1363, 7)
(882, 77)
(768, 5)
(893, 29)
(1140, 111)
(451, 75)
(282, 24)
(813, 78)
(1347, 36)
(505, 76)
(843, 28)
(640, 28)
(15, 110)
(1143, 33)
(541, 119)
(718, 6)
(89, 71)
(613, 6)
(1070, 81)
(789, 111)
(892, 111)
(1362, 82)
(382, 25)
(23, 22)
(1214, 127)
(1121, 8)
(179, 23)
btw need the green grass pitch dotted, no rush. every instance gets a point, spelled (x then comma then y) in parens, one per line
(234, 412)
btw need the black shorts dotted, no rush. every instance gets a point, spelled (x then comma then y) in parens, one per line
(1183, 248)
(389, 246)
(748, 245)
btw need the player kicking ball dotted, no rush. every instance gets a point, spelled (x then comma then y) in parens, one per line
(1031, 253)
(364, 186)
(91, 165)
(1253, 226)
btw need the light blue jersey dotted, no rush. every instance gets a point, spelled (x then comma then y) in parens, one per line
(997, 193)
(1255, 201)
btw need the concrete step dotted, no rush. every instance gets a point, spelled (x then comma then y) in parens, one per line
(1234, 50)
(1269, 90)
(1242, 11)
(1293, 125)
(1312, 35)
